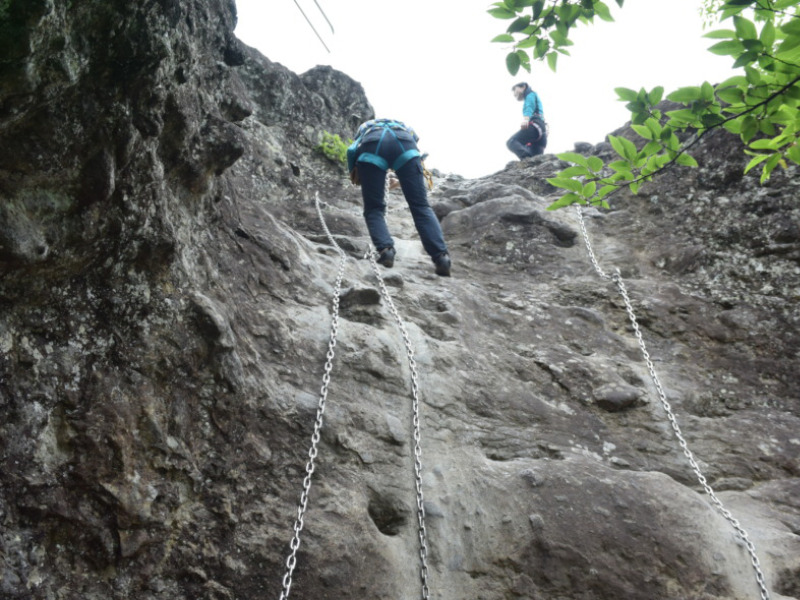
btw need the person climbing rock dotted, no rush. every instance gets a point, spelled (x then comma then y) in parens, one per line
(380, 145)
(531, 139)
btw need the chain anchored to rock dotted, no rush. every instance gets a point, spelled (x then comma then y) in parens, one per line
(294, 545)
(617, 279)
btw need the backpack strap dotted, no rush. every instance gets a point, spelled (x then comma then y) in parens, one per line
(380, 162)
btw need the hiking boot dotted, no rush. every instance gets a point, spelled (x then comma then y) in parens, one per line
(443, 265)
(386, 257)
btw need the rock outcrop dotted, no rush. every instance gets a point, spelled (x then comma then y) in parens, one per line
(166, 291)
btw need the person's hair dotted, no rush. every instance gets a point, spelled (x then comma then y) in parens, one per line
(521, 84)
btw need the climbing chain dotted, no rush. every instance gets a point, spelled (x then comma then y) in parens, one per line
(423, 544)
(291, 561)
(617, 279)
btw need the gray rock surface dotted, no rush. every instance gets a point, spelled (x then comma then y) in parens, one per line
(166, 291)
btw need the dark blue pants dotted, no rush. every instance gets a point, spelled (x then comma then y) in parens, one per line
(412, 182)
(528, 142)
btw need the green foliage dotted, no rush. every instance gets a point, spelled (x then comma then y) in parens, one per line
(761, 106)
(333, 147)
(545, 31)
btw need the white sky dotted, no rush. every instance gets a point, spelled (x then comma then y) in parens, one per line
(429, 63)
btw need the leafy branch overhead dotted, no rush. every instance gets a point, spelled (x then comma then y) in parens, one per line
(761, 105)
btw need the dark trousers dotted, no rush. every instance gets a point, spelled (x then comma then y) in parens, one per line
(412, 182)
(528, 142)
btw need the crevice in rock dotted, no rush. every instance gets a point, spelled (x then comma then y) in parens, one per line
(388, 513)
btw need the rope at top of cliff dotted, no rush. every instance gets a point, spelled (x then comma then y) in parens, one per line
(310, 24)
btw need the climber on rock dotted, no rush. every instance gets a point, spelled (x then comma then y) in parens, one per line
(384, 144)
(531, 139)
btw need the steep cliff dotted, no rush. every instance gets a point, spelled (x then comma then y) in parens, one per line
(167, 287)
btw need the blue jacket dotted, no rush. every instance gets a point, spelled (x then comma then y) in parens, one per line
(377, 130)
(532, 105)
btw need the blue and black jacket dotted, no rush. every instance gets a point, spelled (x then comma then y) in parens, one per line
(532, 106)
(387, 133)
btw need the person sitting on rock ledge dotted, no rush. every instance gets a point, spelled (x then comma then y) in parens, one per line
(380, 145)
(531, 139)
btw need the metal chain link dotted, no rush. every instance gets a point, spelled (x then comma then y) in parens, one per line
(423, 544)
(291, 561)
(617, 279)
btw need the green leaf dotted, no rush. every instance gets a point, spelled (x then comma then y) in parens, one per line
(625, 94)
(757, 160)
(793, 92)
(574, 171)
(565, 200)
(589, 189)
(711, 120)
(734, 126)
(793, 154)
(686, 160)
(524, 59)
(791, 27)
(731, 95)
(627, 147)
(719, 34)
(616, 143)
(655, 127)
(752, 75)
(542, 46)
(559, 39)
(651, 147)
(770, 166)
(519, 24)
(551, 61)
(566, 183)
(655, 95)
(789, 44)
(603, 12)
(512, 63)
(745, 28)
(728, 47)
(529, 42)
(685, 95)
(746, 59)
(595, 163)
(708, 91)
(682, 118)
(501, 13)
(749, 128)
(619, 165)
(503, 38)
(643, 131)
(764, 144)
(573, 157)
(606, 190)
(767, 36)
(735, 81)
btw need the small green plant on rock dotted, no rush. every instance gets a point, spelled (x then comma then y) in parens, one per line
(333, 147)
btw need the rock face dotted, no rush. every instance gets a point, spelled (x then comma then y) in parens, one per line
(166, 291)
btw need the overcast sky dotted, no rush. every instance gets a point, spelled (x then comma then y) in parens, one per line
(430, 64)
